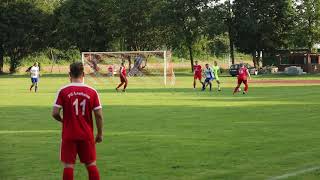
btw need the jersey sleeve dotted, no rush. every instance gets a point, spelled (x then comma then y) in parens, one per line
(96, 102)
(59, 100)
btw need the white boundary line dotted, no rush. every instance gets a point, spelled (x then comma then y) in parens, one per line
(303, 171)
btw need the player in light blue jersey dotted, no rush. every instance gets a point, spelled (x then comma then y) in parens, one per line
(208, 72)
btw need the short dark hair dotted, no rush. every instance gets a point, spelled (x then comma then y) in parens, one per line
(76, 69)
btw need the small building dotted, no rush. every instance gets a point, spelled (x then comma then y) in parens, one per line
(309, 62)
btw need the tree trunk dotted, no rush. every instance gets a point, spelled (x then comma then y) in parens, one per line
(1, 58)
(13, 64)
(191, 56)
(310, 44)
(254, 59)
(231, 48)
(230, 32)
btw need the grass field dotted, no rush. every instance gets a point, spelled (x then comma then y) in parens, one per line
(176, 133)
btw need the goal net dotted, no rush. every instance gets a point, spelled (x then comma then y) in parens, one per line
(146, 67)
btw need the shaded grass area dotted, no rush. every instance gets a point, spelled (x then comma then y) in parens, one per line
(168, 133)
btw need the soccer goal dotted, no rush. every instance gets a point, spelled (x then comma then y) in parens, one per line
(146, 66)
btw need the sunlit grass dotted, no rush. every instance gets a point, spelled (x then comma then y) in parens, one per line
(156, 132)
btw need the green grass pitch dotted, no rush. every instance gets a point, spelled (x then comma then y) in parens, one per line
(176, 133)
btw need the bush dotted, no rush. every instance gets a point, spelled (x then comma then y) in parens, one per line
(49, 55)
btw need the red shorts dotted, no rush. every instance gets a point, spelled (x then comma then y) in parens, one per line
(197, 76)
(244, 81)
(85, 149)
(123, 79)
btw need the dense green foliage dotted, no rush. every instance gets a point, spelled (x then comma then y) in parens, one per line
(251, 26)
(308, 24)
(261, 25)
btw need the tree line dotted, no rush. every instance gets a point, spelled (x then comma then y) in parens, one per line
(248, 26)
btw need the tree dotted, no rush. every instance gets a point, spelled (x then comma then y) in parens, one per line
(85, 24)
(307, 32)
(136, 28)
(2, 35)
(22, 31)
(261, 25)
(218, 28)
(184, 23)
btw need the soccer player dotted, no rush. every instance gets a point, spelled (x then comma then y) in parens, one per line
(78, 101)
(209, 77)
(110, 70)
(34, 73)
(243, 74)
(216, 70)
(123, 78)
(197, 74)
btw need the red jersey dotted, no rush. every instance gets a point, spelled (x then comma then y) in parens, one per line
(197, 69)
(123, 71)
(110, 69)
(243, 73)
(77, 101)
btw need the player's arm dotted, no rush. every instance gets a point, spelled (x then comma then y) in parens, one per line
(99, 123)
(56, 113)
(248, 73)
(121, 75)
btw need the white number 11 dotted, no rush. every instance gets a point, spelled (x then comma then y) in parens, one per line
(82, 104)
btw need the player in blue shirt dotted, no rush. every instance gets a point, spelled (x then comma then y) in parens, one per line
(208, 72)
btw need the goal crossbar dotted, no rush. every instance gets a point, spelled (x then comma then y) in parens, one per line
(124, 52)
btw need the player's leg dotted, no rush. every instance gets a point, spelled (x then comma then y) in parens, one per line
(68, 154)
(194, 82)
(237, 87)
(200, 79)
(87, 155)
(36, 85)
(93, 171)
(210, 85)
(68, 171)
(121, 83)
(204, 85)
(218, 82)
(32, 84)
(246, 86)
(125, 85)
(31, 87)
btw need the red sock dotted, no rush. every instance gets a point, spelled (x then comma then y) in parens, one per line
(93, 173)
(68, 174)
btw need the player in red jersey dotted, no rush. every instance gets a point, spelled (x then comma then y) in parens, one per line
(243, 74)
(123, 78)
(197, 74)
(77, 102)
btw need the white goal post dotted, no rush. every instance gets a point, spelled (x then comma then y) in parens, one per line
(139, 63)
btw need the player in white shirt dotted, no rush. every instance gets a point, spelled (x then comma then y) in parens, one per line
(209, 77)
(34, 73)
